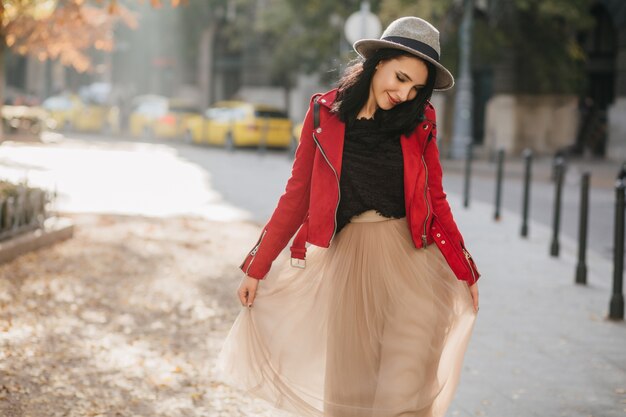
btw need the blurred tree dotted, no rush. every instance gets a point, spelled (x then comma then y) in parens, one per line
(306, 36)
(176, 45)
(439, 12)
(57, 29)
(540, 35)
(158, 3)
(543, 34)
(203, 21)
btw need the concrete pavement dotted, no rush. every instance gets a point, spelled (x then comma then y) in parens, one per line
(96, 175)
(542, 345)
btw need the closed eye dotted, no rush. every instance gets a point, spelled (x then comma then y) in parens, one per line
(403, 80)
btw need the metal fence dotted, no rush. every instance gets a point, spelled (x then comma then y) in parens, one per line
(22, 209)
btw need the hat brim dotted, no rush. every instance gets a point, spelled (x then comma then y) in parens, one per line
(366, 47)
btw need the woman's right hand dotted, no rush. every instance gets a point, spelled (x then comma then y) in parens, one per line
(247, 290)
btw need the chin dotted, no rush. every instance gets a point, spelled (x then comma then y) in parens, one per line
(386, 104)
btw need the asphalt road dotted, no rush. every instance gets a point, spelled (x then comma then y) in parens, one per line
(254, 182)
(601, 206)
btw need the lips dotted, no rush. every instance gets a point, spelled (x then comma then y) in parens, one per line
(392, 101)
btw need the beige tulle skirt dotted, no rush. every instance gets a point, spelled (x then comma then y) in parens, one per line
(371, 327)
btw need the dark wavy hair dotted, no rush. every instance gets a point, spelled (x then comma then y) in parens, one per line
(354, 87)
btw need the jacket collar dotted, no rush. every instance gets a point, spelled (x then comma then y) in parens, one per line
(332, 130)
(328, 98)
(330, 133)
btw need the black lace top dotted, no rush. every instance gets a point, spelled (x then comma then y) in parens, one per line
(372, 172)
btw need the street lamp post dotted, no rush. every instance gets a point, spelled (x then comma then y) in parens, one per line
(462, 135)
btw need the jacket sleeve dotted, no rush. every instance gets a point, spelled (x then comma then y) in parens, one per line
(441, 207)
(291, 210)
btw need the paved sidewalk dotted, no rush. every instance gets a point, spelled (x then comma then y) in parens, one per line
(542, 345)
(123, 320)
(137, 306)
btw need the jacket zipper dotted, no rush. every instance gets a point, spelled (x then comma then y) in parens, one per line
(469, 264)
(424, 240)
(255, 249)
(338, 189)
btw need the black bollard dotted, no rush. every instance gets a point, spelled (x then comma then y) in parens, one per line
(581, 268)
(616, 306)
(528, 159)
(559, 175)
(468, 172)
(559, 157)
(621, 174)
(499, 172)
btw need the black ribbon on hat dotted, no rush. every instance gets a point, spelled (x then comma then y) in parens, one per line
(421, 47)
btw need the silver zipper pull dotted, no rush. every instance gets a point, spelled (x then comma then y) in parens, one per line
(424, 241)
(256, 248)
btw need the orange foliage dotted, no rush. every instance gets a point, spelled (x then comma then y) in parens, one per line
(66, 33)
(158, 3)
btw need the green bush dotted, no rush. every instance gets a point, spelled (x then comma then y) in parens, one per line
(22, 208)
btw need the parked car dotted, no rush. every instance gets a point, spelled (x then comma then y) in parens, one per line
(98, 118)
(157, 116)
(237, 123)
(69, 112)
(62, 110)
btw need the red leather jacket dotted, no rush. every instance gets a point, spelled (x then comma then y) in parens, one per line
(312, 194)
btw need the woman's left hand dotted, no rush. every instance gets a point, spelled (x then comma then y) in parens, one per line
(474, 291)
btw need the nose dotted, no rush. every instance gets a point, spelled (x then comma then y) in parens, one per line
(405, 93)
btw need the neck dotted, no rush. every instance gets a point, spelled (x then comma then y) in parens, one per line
(370, 107)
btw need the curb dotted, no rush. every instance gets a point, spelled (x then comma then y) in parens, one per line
(55, 230)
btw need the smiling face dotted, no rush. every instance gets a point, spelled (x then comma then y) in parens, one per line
(395, 81)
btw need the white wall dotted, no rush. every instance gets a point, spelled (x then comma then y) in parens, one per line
(616, 149)
(543, 123)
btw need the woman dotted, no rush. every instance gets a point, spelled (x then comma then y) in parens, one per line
(376, 319)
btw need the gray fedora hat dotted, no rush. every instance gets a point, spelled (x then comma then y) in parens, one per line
(413, 35)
